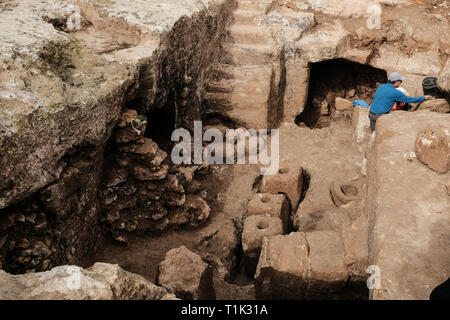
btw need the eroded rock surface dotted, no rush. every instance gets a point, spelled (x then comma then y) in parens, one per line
(102, 281)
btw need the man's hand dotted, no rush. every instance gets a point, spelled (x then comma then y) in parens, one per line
(428, 97)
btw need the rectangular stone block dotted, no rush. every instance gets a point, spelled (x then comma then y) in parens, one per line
(288, 181)
(255, 229)
(328, 273)
(283, 267)
(301, 266)
(274, 205)
(355, 239)
(361, 127)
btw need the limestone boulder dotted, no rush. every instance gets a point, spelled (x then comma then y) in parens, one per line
(342, 104)
(433, 148)
(186, 275)
(328, 41)
(102, 281)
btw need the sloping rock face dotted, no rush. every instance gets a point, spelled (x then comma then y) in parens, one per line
(58, 105)
(62, 93)
(408, 208)
(102, 281)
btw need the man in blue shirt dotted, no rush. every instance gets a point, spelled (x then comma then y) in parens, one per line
(385, 97)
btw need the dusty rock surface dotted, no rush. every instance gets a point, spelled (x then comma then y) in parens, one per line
(408, 211)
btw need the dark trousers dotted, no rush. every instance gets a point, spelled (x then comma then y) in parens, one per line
(373, 120)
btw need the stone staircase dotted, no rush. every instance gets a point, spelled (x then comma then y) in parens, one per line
(246, 82)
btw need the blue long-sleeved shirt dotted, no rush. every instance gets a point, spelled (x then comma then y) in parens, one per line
(385, 97)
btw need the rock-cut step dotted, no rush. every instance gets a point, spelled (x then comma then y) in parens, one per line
(242, 16)
(248, 34)
(250, 54)
(259, 5)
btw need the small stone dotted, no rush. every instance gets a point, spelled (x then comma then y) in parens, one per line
(146, 174)
(185, 92)
(173, 184)
(122, 239)
(187, 172)
(40, 226)
(45, 264)
(351, 93)
(23, 260)
(23, 244)
(127, 116)
(3, 241)
(185, 274)
(162, 224)
(131, 227)
(26, 253)
(31, 218)
(147, 151)
(115, 176)
(324, 108)
(112, 216)
(342, 104)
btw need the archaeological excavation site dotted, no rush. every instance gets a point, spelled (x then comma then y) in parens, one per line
(112, 110)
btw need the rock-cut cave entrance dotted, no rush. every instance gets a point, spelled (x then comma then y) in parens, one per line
(337, 78)
(161, 123)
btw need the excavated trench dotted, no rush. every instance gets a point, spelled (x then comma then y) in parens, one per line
(139, 217)
(337, 78)
(147, 205)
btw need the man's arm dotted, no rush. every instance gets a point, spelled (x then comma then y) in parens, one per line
(401, 97)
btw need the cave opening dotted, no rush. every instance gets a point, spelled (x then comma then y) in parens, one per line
(337, 78)
(161, 123)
